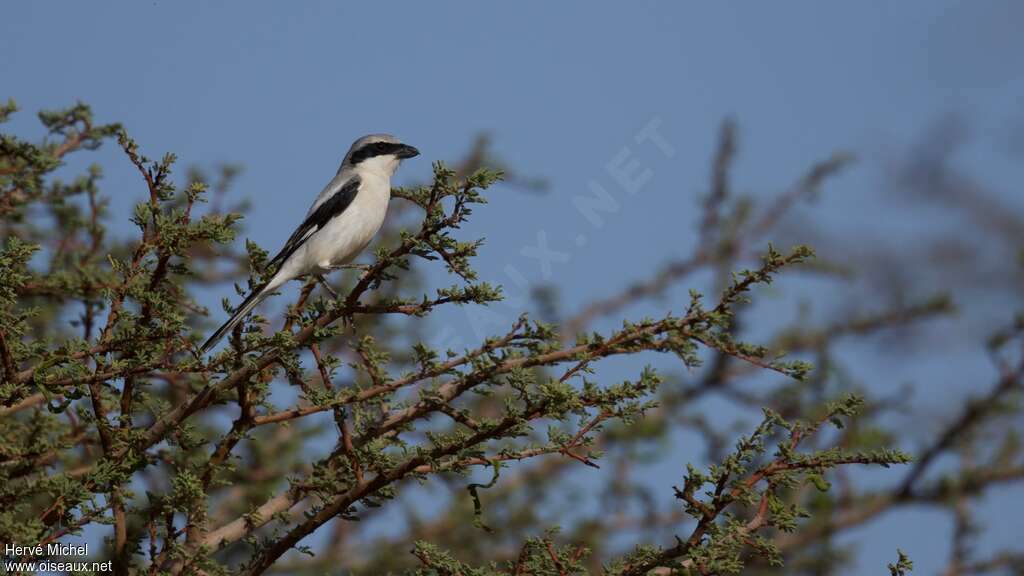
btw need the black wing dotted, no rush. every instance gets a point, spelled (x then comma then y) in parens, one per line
(330, 208)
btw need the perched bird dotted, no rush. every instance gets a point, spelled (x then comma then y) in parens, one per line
(339, 224)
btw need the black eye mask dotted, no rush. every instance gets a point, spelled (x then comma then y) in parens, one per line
(378, 149)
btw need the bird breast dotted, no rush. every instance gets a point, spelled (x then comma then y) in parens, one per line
(344, 237)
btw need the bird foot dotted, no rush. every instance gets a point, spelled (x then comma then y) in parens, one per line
(327, 287)
(363, 267)
(347, 320)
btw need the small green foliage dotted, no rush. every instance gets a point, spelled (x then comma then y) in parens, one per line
(8, 108)
(903, 566)
(439, 563)
(103, 391)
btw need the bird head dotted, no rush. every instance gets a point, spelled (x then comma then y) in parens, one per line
(378, 153)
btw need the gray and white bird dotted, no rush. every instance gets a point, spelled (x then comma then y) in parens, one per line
(341, 222)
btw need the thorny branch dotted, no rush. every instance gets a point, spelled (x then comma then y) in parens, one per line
(142, 410)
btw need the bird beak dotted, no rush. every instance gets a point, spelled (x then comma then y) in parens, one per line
(406, 151)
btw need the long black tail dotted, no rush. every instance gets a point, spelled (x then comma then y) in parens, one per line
(247, 305)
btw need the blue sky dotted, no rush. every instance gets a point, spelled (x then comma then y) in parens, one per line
(562, 87)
